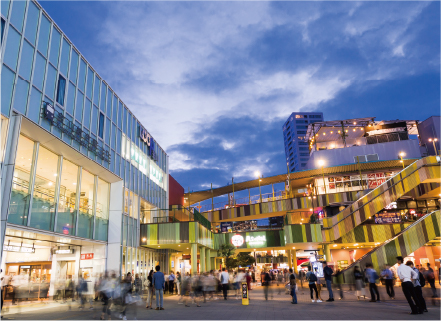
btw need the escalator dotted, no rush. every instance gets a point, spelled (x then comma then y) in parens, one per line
(426, 229)
(425, 170)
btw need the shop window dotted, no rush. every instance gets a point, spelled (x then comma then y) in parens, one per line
(85, 217)
(101, 126)
(61, 90)
(68, 198)
(102, 210)
(20, 194)
(32, 22)
(43, 202)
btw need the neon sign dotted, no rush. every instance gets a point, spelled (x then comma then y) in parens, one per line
(237, 240)
(256, 240)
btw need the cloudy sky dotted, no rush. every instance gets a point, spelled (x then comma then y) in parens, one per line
(215, 81)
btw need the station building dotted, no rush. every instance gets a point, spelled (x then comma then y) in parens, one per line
(79, 171)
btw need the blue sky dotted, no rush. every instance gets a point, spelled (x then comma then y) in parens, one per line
(215, 81)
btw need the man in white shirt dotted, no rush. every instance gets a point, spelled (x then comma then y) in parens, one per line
(406, 275)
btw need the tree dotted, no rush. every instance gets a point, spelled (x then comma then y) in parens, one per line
(227, 250)
(244, 259)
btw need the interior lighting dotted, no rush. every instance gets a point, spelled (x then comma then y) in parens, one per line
(324, 134)
(332, 132)
(55, 174)
(353, 130)
(355, 244)
(257, 174)
(334, 245)
(355, 123)
(50, 184)
(144, 239)
(339, 132)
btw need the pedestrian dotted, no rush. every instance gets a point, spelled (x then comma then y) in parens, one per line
(292, 286)
(312, 278)
(171, 282)
(266, 283)
(248, 279)
(224, 280)
(388, 277)
(301, 277)
(327, 272)
(406, 275)
(105, 289)
(138, 285)
(159, 285)
(178, 282)
(149, 286)
(431, 280)
(126, 294)
(359, 283)
(417, 284)
(319, 286)
(372, 277)
(339, 282)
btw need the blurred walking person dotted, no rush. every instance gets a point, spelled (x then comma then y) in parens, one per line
(359, 283)
(224, 280)
(171, 282)
(178, 282)
(406, 275)
(431, 280)
(159, 285)
(292, 286)
(266, 284)
(417, 284)
(372, 277)
(105, 289)
(327, 272)
(312, 278)
(149, 286)
(388, 277)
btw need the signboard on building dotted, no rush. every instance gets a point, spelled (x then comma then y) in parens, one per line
(22, 249)
(64, 251)
(87, 256)
(237, 240)
(384, 218)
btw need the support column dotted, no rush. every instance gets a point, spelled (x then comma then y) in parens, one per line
(294, 261)
(288, 252)
(208, 259)
(194, 258)
(327, 252)
(202, 259)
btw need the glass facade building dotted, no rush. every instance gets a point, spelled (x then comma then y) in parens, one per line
(294, 136)
(76, 162)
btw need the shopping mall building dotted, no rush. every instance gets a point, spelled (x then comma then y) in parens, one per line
(79, 171)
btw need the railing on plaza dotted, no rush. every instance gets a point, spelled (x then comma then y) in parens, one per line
(175, 214)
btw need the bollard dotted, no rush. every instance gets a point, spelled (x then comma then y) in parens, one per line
(245, 298)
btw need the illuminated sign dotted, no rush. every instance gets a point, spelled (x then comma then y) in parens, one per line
(22, 249)
(256, 240)
(155, 174)
(68, 251)
(237, 240)
(87, 256)
(139, 158)
(144, 135)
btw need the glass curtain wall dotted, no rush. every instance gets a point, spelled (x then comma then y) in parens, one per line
(43, 202)
(102, 210)
(85, 217)
(67, 212)
(20, 195)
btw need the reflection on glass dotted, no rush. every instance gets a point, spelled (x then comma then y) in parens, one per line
(124, 231)
(20, 195)
(43, 203)
(102, 211)
(85, 217)
(43, 39)
(68, 196)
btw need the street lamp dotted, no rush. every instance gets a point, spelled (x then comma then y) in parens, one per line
(321, 163)
(433, 140)
(257, 173)
(402, 154)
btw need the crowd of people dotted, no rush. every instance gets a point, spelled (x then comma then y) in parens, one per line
(130, 293)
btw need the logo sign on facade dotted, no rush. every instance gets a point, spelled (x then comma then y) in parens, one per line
(87, 256)
(259, 240)
(75, 132)
(155, 174)
(65, 251)
(147, 138)
(237, 240)
(11, 248)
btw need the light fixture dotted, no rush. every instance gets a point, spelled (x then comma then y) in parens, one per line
(74, 183)
(355, 244)
(321, 162)
(355, 123)
(310, 211)
(353, 130)
(55, 174)
(324, 134)
(339, 132)
(179, 245)
(293, 247)
(50, 184)
(334, 245)
(158, 246)
(332, 132)
(257, 174)
(402, 154)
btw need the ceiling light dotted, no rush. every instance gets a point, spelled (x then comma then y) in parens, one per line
(334, 245)
(355, 244)
(144, 239)
(74, 183)
(178, 245)
(55, 174)
(50, 184)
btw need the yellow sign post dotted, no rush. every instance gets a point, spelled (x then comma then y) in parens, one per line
(245, 298)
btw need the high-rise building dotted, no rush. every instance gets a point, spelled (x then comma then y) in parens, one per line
(294, 135)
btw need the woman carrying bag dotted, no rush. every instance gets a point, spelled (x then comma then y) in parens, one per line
(149, 287)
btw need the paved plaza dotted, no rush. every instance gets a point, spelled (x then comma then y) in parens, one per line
(277, 308)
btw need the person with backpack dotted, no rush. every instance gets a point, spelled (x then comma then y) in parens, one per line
(372, 277)
(417, 285)
(312, 278)
(327, 272)
(292, 285)
(388, 277)
(431, 280)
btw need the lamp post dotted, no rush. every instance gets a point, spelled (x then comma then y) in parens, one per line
(260, 191)
(433, 140)
(402, 154)
(321, 163)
